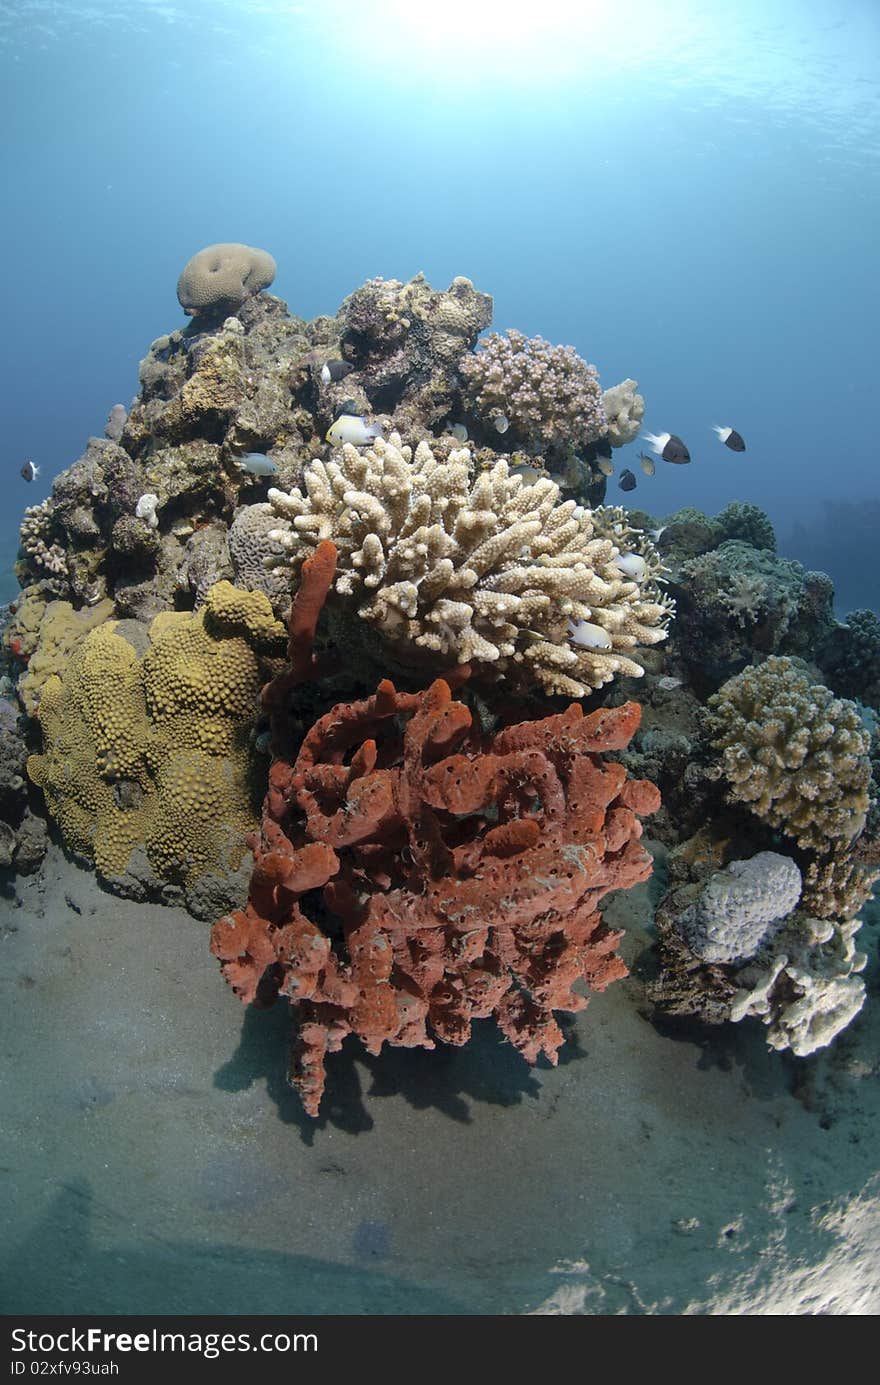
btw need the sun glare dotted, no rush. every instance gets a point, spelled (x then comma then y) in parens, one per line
(497, 37)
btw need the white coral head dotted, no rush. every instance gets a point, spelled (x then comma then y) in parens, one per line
(145, 509)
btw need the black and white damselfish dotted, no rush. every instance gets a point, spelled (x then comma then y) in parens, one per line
(669, 447)
(730, 437)
(30, 471)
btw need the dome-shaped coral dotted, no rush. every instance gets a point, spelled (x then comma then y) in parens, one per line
(793, 753)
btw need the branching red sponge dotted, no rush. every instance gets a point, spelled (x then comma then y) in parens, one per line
(413, 875)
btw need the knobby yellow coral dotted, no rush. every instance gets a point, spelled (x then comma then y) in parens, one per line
(153, 751)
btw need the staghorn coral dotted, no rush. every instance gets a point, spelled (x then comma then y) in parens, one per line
(146, 740)
(220, 278)
(489, 571)
(792, 753)
(624, 411)
(548, 395)
(464, 874)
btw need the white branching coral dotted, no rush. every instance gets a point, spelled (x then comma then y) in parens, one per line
(484, 569)
(804, 985)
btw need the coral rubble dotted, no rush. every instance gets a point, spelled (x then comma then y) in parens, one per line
(453, 876)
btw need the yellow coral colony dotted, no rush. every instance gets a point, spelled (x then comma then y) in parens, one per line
(154, 751)
(483, 569)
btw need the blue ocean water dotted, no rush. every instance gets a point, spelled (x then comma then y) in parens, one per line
(687, 193)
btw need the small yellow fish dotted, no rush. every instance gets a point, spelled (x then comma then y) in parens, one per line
(352, 428)
(605, 465)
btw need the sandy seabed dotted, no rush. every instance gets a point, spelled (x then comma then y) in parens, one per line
(154, 1160)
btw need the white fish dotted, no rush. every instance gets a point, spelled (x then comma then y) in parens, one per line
(459, 432)
(631, 565)
(590, 636)
(352, 428)
(257, 464)
(501, 423)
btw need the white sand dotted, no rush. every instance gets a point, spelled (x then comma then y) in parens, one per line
(154, 1160)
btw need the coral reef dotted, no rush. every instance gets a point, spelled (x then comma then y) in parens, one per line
(793, 753)
(736, 601)
(456, 876)
(155, 579)
(23, 835)
(147, 763)
(748, 523)
(219, 278)
(405, 342)
(486, 571)
(796, 973)
(546, 396)
(850, 658)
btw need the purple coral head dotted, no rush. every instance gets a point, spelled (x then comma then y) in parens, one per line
(549, 394)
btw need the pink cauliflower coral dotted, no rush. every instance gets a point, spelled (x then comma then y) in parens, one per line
(547, 395)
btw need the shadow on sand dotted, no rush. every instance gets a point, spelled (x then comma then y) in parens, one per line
(61, 1269)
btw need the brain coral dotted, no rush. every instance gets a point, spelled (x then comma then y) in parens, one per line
(486, 571)
(738, 904)
(220, 278)
(548, 395)
(152, 751)
(794, 754)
